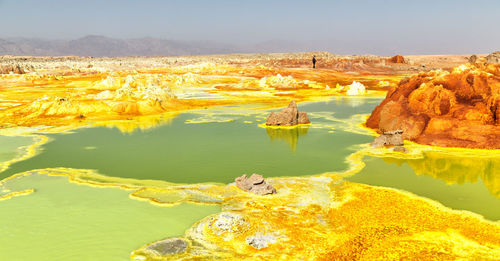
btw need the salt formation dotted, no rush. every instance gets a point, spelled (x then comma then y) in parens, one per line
(356, 88)
(205, 67)
(254, 184)
(189, 79)
(289, 116)
(108, 83)
(260, 241)
(134, 89)
(278, 80)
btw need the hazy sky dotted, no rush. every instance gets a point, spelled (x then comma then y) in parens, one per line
(351, 26)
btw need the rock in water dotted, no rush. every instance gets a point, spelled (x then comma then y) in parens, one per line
(389, 138)
(290, 116)
(169, 246)
(255, 184)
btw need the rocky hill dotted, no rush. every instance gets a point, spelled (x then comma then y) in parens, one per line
(460, 108)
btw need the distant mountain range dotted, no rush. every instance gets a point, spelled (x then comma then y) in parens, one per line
(97, 46)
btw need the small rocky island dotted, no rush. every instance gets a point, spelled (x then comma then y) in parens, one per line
(289, 116)
(255, 184)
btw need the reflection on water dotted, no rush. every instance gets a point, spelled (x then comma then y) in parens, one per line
(193, 153)
(288, 135)
(143, 123)
(457, 169)
(459, 179)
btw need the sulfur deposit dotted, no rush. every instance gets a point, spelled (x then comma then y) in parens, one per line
(81, 91)
(460, 108)
(318, 218)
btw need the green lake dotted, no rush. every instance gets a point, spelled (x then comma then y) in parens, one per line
(67, 221)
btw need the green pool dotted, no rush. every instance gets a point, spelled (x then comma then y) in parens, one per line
(61, 220)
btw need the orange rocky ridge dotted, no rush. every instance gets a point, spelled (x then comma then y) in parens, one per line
(460, 108)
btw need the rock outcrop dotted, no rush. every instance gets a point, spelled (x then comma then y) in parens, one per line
(460, 108)
(255, 184)
(493, 58)
(16, 68)
(397, 59)
(389, 138)
(290, 116)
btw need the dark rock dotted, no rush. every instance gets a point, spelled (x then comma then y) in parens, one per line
(169, 246)
(290, 116)
(254, 184)
(472, 59)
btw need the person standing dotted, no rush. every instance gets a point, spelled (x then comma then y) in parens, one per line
(314, 61)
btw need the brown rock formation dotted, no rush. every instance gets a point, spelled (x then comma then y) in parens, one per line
(473, 58)
(289, 116)
(493, 58)
(254, 184)
(460, 108)
(390, 138)
(397, 59)
(6, 69)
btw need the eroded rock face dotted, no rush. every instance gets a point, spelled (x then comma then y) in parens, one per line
(460, 108)
(255, 184)
(290, 116)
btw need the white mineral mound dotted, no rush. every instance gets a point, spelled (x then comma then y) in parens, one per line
(278, 80)
(356, 88)
(187, 79)
(108, 83)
